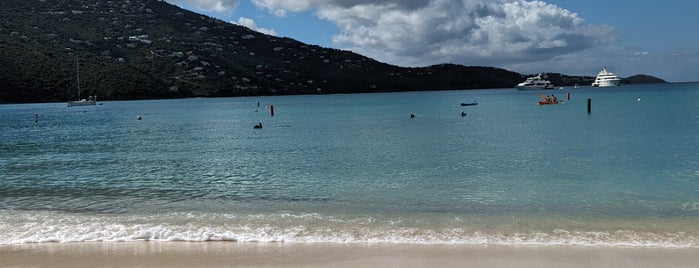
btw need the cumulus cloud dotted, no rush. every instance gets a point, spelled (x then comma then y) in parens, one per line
(281, 7)
(247, 22)
(471, 32)
(208, 5)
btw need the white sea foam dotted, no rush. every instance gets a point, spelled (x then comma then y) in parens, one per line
(48, 227)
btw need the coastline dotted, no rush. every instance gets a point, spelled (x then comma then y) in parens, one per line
(233, 254)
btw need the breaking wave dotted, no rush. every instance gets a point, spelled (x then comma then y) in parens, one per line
(306, 228)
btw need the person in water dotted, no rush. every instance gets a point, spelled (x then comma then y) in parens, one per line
(259, 125)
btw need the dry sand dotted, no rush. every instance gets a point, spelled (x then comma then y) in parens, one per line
(231, 254)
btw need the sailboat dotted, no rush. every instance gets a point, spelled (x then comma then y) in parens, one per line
(91, 100)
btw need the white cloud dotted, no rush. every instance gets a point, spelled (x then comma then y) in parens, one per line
(247, 22)
(281, 7)
(208, 5)
(470, 32)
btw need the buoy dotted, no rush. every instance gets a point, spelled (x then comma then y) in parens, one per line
(36, 118)
(412, 115)
(271, 110)
(139, 118)
(638, 100)
(568, 96)
(463, 113)
(259, 125)
(589, 106)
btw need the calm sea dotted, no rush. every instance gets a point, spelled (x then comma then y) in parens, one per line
(357, 168)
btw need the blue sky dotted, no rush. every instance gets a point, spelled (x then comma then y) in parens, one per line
(576, 37)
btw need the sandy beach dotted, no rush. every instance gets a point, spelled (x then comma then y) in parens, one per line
(231, 254)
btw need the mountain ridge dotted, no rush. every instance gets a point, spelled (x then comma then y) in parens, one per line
(146, 49)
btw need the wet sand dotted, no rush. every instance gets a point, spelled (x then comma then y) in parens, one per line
(231, 254)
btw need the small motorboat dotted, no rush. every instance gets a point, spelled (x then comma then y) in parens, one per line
(469, 103)
(546, 102)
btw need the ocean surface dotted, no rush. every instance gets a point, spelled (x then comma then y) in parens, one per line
(358, 169)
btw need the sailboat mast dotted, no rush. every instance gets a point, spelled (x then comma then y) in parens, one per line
(77, 68)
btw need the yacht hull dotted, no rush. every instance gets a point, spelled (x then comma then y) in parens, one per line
(81, 103)
(534, 87)
(607, 84)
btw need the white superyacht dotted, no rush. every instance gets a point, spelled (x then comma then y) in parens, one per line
(606, 79)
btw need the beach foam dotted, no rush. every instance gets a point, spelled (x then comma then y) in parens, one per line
(306, 228)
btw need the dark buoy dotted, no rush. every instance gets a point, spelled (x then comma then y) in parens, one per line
(568, 96)
(271, 110)
(463, 113)
(36, 118)
(139, 118)
(412, 115)
(589, 106)
(259, 125)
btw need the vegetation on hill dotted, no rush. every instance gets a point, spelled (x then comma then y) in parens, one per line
(643, 79)
(142, 49)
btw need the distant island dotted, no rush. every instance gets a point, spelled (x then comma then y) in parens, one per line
(146, 49)
(643, 79)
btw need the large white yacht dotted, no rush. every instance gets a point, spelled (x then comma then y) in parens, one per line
(606, 79)
(535, 82)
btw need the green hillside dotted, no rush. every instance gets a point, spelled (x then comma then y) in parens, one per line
(142, 49)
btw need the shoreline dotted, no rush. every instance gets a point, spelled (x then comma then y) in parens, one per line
(227, 254)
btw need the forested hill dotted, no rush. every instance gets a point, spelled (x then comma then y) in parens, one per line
(151, 49)
(644, 79)
(142, 49)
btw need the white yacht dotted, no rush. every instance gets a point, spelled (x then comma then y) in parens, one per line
(92, 100)
(535, 82)
(606, 79)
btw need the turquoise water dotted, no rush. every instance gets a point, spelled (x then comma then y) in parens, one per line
(357, 168)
